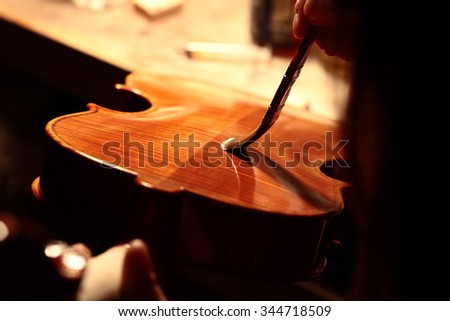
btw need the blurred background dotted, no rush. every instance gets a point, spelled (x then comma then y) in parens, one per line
(58, 55)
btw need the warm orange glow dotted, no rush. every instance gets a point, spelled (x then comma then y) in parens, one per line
(70, 261)
(55, 248)
(73, 260)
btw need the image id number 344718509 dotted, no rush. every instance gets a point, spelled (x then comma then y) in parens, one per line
(300, 311)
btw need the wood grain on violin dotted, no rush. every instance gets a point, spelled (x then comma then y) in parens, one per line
(160, 174)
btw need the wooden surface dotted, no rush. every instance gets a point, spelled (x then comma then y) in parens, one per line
(160, 174)
(127, 39)
(86, 52)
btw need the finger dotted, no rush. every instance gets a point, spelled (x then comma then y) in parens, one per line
(139, 280)
(321, 12)
(316, 12)
(299, 23)
(102, 277)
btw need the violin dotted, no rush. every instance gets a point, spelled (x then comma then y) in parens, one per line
(166, 167)
(158, 172)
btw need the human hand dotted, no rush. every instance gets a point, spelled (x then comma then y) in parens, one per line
(123, 272)
(337, 23)
(32, 267)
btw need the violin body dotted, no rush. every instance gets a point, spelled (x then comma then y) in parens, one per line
(160, 174)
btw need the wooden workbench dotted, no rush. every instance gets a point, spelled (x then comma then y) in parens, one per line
(86, 52)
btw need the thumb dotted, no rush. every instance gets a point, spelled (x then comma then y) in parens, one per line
(139, 280)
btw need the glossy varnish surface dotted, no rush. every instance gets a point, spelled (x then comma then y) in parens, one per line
(259, 214)
(175, 146)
